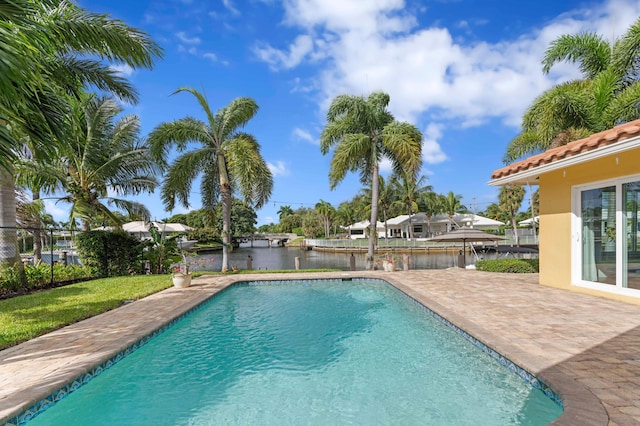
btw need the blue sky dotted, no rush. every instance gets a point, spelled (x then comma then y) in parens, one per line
(462, 71)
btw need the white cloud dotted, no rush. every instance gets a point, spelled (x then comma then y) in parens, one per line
(372, 46)
(278, 169)
(211, 56)
(431, 151)
(303, 87)
(58, 213)
(229, 5)
(182, 36)
(123, 69)
(385, 166)
(304, 135)
(278, 59)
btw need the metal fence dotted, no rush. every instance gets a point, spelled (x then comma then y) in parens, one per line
(56, 244)
(400, 243)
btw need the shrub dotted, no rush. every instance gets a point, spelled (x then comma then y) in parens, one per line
(110, 254)
(38, 277)
(518, 266)
(205, 235)
(11, 279)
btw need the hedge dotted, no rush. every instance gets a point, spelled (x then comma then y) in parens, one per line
(110, 254)
(518, 266)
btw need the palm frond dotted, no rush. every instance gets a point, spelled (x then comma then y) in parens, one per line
(179, 178)
(178, 133)
(248, 170)
(589, 50)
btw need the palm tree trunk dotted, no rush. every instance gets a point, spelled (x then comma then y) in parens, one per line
(37, 235)
(9, 254)
(515, 229)
(386, 228)
(373, 234)
(410, 225)
(225, 193)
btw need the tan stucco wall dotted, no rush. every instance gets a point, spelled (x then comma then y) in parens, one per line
(555, 216)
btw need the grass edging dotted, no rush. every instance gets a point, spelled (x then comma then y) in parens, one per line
(25, 317)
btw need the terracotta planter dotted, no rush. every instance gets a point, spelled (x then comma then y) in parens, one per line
(181, 280)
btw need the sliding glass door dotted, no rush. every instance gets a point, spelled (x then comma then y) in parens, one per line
(631, 257)
(609, 233)
(598, 211)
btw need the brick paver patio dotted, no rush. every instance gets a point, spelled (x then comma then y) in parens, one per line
(586, 348)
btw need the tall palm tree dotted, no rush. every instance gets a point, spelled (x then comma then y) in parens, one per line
(408, 189)
(387, 197)
(326, 212)
(227, 159)
(451, 205)
(430, 203)
(510, 199)
(42, 64)
(607, 95)
(363, 131)
(284, 211)
(346, 215)
(103, 154)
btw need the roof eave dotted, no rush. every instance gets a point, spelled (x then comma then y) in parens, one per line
(532, 175)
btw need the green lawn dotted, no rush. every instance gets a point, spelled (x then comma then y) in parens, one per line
(25, 317)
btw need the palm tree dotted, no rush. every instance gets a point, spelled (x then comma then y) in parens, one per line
(606, 96)
(326, 212)
(103, 154)
(386, 199)
(363, 131)
(430, 203)
(451, 205)
(346, 215)
(510, 199)
(284, 211)
(227, 159)
(41, 66)
(408, 189)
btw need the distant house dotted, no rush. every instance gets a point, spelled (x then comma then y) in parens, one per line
(140, 228)
(360, 229)
(530, 221)
(589, 212)
(438, 224)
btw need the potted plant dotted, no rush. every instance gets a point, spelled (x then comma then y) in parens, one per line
(181, 274)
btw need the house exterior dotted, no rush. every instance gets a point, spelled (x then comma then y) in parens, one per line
(589, 212)
(424, 227)
(359, 229)
(140, 228)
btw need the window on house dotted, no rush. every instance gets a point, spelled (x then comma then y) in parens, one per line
(609, 227)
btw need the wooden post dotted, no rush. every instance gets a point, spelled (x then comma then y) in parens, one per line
(297, 263)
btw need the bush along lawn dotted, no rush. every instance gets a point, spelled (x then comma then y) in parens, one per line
(518, 266)
(37, 277)
(25, 317)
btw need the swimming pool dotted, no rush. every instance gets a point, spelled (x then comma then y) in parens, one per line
(306, 352)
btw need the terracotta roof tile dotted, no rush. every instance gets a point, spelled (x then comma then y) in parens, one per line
(597, 140)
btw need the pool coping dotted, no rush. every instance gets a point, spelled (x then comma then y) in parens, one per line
(580, 405)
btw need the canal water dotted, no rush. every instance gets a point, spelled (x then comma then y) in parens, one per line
(272, 258)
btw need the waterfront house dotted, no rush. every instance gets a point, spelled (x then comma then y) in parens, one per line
(360, 229)
(438, 224)
(589, 211)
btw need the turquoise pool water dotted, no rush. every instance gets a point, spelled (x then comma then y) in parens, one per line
(312, 352)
